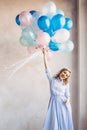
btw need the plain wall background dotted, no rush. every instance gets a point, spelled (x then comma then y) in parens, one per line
(24, 98)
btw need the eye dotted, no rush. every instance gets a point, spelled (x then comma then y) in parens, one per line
(68, 75)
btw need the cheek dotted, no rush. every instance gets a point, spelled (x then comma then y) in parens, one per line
(61, 75)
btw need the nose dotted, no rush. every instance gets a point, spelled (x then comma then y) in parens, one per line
(63, 75)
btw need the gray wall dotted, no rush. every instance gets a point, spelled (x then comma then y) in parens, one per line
(24, 98)
(82, 39)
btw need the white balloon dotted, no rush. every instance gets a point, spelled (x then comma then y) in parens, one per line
(59, 11)
(34, 22)
(49, 8)
(69, 46)
(61, 36)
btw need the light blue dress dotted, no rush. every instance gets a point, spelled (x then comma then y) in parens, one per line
(59, 114)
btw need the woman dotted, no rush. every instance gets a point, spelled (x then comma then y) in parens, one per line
(59, 114)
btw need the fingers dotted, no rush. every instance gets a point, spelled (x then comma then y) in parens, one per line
(43, 50)
(67, 101)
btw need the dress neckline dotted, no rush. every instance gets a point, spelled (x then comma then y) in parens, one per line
(60, 81)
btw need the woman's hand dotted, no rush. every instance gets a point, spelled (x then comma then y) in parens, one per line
(67, 100)
(44, 50)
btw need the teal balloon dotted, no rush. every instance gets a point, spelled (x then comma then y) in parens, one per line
(30, 36)
(23, 41)
(29, 32)
(54, 46)
(26, 42)
(59, 11)
(67, 46)
(36, 15)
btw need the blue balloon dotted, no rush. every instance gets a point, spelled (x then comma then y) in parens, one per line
(54, 46)
(32, 12)
(50, 32)
(17, 20)
(57, 22)
(44, 23)
(68, 24)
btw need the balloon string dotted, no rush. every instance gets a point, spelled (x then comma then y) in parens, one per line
(16, 64)
(21, 64)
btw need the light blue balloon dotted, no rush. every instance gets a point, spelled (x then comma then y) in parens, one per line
(36, 15)
(27, 42)
(30, 36)
(67, 46)
(59, 11)
(29, 32)
(23, 41)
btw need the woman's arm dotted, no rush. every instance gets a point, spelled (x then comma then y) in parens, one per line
(49, 75)
(45, 58)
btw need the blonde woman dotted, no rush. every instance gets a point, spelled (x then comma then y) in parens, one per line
(59, 114)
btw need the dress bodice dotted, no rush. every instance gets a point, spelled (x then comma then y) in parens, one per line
(57, 86)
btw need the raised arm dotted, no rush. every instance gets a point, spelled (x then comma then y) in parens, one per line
(45, 58)
(46, 65)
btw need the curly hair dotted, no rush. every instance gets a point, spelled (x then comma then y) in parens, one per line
(58, 75)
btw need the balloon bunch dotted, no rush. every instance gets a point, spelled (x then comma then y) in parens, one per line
(49, 29)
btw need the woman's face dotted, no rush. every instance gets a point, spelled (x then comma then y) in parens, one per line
(64, 74)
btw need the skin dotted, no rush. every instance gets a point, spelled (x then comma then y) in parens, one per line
(63, 74)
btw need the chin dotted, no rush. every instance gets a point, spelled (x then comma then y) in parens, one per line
(61, 78)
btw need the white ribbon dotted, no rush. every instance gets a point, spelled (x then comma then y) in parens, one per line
(15, 67)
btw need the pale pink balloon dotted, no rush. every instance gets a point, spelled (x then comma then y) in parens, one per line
(25, 18)
(43, 38)
(31, 49)
(49, 55)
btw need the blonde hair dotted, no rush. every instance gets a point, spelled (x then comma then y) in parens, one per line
(58, 75)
